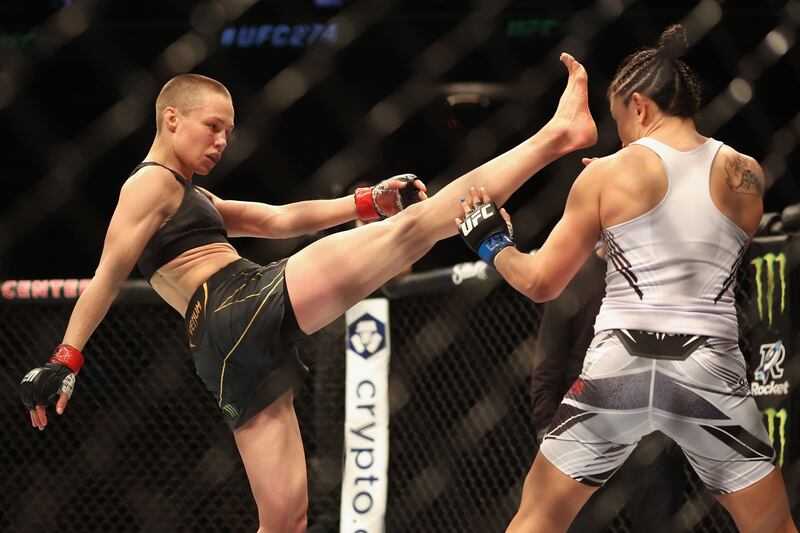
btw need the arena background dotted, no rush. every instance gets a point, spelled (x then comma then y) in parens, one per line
(327, 93)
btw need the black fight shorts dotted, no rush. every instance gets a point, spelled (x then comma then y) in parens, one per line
(242, 331)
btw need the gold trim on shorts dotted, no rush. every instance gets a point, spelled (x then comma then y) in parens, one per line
(225, 304)
(274, 284)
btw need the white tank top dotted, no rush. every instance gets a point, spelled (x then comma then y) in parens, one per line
(673, 269)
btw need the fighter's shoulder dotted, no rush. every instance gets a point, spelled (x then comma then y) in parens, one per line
(631, 159)
(741, 172)
(151, 189)
(153, 178)
(639, 155)
(730, 156)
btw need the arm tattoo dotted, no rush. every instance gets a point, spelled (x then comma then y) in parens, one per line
(741, 178)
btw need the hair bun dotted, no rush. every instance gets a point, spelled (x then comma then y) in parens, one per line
(674, 42)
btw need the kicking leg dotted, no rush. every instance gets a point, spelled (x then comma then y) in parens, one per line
(571, 128)
(761, 507)
(272, 453)
(328, 277)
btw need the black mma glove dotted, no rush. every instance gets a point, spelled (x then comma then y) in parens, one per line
(485, 231)
(42, 385)
(383, 200)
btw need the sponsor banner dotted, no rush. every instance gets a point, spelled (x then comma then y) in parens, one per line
(366, 424)
(771, 336)
(769, 271)
(772, 280)
(767, 376)
(532, 27)
(465, 271)
(43, 289)
(776, 421)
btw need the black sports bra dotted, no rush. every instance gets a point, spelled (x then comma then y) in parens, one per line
(195, 223)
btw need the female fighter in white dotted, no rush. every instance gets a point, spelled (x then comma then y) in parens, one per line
(676, 211)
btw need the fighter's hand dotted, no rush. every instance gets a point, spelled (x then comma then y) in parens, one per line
(389, 197)
(53, 381)
(475, 198)
(483, 231)
(410, 182)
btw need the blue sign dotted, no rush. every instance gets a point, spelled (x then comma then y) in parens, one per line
(279, 35)
(366, 335)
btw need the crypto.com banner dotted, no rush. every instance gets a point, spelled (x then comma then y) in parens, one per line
(366, 421)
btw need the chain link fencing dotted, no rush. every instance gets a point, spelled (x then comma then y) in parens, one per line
(141, 446)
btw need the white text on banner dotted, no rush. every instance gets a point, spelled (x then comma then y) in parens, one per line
(366, 422)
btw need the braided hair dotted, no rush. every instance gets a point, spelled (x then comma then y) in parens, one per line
(659, 74)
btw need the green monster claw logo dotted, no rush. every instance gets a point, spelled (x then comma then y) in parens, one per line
(767, 262)
(230, 410)
(780, 414)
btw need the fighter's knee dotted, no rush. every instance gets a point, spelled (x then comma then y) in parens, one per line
(295, 524)
(282, 512)
(298, 527)
(302, 523)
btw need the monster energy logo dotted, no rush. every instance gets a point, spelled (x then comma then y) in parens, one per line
(780, 416)
(230, 410)
(767, 263)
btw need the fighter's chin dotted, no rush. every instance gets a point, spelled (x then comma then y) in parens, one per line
(204, 167)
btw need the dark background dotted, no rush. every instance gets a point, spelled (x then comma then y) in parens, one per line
(144, 449)
(366, 101)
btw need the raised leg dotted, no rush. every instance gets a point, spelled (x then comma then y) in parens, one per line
(272, 453)
(762, 507)
(328, 277)
(550, 499)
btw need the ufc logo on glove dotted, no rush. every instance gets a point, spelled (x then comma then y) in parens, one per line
(30, 376)
(474, 218)
(491, 233)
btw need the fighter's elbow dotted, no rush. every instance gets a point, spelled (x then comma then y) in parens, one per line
(111, 274)
(110, 282)
(525, 273)
(540, 290)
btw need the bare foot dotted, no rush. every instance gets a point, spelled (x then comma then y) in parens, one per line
(572, 120)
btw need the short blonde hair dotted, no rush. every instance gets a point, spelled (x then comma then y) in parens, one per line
(186, 92)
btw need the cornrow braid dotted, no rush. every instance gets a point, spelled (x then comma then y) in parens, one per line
(659, 74)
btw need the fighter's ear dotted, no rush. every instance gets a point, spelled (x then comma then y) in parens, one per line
(640, 105)
(170, 118)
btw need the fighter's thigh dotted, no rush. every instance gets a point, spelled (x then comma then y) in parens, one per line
(550, 499)
(590, 446)
(272, 452)
(329, 276)
(603, 415)
(762, 506)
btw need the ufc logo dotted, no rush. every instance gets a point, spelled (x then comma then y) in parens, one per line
(473, 219)
(30, 376)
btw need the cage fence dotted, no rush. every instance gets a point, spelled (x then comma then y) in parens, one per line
(142, 446)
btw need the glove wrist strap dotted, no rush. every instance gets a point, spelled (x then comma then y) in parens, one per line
(489, 248)
(68, 356)
(365, 205)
